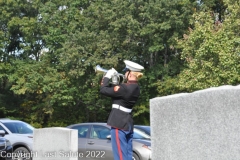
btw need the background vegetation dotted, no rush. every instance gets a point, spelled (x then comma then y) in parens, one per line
(49, 50)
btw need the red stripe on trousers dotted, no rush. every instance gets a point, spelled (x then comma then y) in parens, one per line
(118, 145)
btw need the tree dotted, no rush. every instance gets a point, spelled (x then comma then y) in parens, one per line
(211, 51)
(61, 42)
(19, 40)
(135, 30)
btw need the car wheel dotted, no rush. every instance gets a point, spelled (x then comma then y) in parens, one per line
(21, 153)
(135, 156)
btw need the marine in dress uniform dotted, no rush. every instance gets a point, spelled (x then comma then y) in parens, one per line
(124, 96)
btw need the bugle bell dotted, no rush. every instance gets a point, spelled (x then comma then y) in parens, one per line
(100, 69)
(116, 79)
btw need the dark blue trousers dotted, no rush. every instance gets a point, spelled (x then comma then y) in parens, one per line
(121, 144)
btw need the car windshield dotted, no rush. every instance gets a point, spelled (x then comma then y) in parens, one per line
(138, 134)
(19, 127)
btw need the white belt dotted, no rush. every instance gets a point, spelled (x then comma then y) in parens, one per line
(121, 108)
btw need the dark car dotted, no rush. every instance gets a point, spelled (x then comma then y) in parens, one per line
(144, 128)
(94, 140)
(5, 147)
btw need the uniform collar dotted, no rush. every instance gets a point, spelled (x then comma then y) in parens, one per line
(132, 81)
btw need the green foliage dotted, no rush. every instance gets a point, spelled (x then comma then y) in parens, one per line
(8, 100)
(211, 52)
(21, 34)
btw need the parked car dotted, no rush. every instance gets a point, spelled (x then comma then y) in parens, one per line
(5, 147)
(20, 135)
(144, 128)
(139, 134)
(94, 141)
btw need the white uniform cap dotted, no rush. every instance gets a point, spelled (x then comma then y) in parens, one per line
(132, 66)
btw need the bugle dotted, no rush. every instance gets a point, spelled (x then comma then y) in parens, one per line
(116, 79)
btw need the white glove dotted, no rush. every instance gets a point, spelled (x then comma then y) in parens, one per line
(115, 72)
(110, 73)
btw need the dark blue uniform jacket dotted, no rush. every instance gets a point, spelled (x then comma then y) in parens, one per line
(126, 95)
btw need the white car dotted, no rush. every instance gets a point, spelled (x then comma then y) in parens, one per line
(20, 135)
(5, 147)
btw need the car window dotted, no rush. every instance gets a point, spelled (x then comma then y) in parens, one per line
(138, 134)
(1, 128)
(99, 132)
(145, 129)
(82, 130)
(148, 130)
(19, 127)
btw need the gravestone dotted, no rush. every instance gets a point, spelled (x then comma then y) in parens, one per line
(203, 125)
(55, 143)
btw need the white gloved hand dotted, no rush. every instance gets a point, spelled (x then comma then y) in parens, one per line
(110, 73)
(115, 72)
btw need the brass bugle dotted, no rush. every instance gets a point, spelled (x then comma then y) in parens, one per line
(119, 78)
(100, 69)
